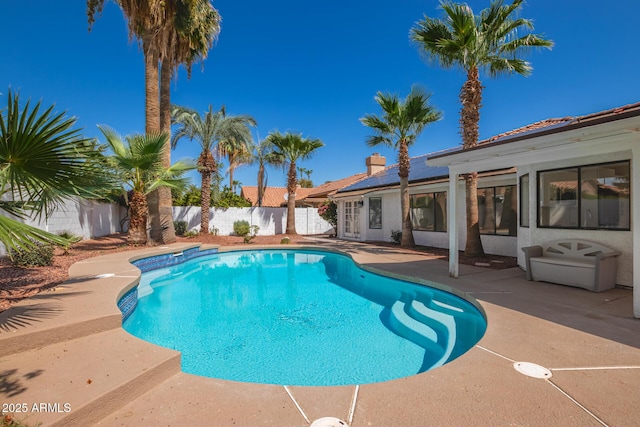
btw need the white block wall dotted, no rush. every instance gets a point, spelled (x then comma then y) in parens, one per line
(271, 221)
(83, 218)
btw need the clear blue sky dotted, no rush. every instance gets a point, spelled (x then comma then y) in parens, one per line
(314, 67)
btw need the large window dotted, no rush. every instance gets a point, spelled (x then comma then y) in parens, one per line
(497, 210)
(429, 211)
(375, 212)
(586, 197)
(524, 200)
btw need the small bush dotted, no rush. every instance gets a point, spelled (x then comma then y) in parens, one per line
(254, 230)
(285, 241)
(180, 227)
(72, 238)
(40, 256)
(396, 236)
(241, 228)
(190, 234)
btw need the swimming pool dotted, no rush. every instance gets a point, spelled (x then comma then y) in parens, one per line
(299, 317)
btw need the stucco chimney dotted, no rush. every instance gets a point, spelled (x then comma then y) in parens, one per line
(375, 163)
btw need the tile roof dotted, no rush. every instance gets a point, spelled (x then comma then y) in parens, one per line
(550, 126)
(273, 196)
(331, 187)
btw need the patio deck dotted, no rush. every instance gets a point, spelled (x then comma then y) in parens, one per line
(66, 347)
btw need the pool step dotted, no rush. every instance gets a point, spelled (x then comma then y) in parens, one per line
(433, 330)
(80, 381)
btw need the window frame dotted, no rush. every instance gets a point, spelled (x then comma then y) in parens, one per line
(521, 208)
(579, 196)
(379, 226)
(495, 213)
(434, 195)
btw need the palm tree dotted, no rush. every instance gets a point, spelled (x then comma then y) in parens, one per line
(262, 154)
(209, 132)
(43, 161)
(146, 20)
(187, 38)
(237, 150)
(290, 148)
(139, 163)
(399, 126)
(493, 42)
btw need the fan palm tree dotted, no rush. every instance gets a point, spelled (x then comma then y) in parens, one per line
(188, 37)
(493, 42)
(43, 161)
(147, 21)
(290, 148)
(209, 131)
(237, 151)
(139, 164)
(263, 155)
(399, 126)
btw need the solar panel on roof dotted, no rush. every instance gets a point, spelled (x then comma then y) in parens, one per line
(418, 171)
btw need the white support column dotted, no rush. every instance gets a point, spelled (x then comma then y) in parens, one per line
(635, 226)
(452, 223)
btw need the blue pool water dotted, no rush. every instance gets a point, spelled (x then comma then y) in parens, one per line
(299, 318)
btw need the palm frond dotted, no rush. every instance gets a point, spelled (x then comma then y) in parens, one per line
(16, 235)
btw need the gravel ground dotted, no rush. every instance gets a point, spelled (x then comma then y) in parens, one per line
(17, 283)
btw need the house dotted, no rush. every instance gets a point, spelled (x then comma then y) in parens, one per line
(323, 192)
(369, 210)
(575, 179)
(305, 197)
(274, 196)
(569, 177)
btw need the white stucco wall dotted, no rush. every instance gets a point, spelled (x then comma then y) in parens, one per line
(271, 221)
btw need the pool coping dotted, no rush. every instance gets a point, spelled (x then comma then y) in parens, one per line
(481, 386)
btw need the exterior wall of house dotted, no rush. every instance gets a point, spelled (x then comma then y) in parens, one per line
(271, 221)
(615, 239)
(392, 218)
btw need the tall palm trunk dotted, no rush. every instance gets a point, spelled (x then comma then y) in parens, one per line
(403, 171)
(137, 234)
(160, 205)
(152, 113)
(231, 168)
(471, 99)
(205, 203)
(207, 165)
(261, 186)
(291, 201)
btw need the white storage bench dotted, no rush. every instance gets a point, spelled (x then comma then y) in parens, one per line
(573, 262)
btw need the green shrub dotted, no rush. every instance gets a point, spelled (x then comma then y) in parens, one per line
(180, 227)
(191, 234)
(72, 238)
(254, 230)
(396, 236)
(40, 256)
(241, 228)
(285, 241)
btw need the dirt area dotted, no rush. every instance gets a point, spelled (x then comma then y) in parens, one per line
(17, 283)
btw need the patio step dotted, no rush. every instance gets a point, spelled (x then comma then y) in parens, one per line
(63, 385)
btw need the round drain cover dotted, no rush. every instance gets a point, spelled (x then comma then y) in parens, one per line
(329, 422)
(532, 370)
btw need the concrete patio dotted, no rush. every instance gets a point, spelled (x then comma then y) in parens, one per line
(65, 360)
